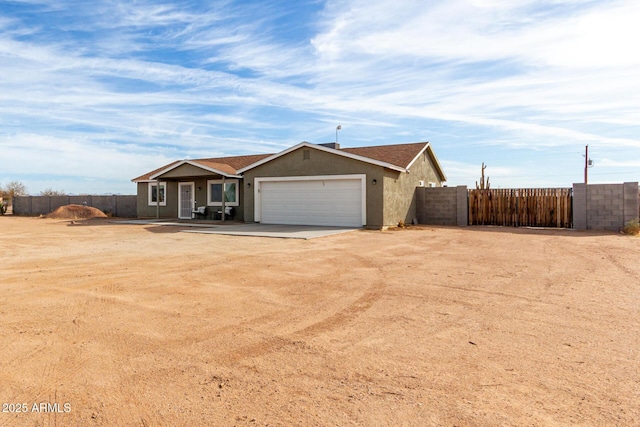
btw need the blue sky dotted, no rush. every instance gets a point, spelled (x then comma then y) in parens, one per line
(93, 94)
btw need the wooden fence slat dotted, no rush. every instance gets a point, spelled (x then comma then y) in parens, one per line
(518, 207)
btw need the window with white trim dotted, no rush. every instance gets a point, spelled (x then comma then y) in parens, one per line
(215, 191)
(153, 194)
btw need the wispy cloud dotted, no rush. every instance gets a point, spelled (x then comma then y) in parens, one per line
(479, 78)
(493, 57)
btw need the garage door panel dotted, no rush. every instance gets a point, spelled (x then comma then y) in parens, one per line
(312, 202)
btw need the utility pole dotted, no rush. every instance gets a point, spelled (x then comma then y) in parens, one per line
(586, 164)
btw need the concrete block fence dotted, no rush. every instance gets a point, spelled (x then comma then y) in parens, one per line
(595, 206)
(119, 206)
(442, 205)
(605, 206)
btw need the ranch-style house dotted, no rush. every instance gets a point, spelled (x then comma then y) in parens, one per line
(307, 184)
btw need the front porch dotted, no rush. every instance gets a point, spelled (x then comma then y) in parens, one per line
(211, 213)
(184, 222)
(191, 191)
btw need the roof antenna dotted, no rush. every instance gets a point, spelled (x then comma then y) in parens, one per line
(339, 127)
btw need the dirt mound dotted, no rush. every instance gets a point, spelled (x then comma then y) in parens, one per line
(76, 212)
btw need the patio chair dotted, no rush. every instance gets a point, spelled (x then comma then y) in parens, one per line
(228, 212)
(199, 211)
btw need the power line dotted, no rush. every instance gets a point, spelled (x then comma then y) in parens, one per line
(615, 173)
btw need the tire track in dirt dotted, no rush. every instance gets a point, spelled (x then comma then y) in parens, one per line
(621, 266)
(586, 261)
(331, 322)
(53, 375)
(62, 358)
(603, 254)
(486, 292)
(103, 302)
(31, 392)
(66, 359)
(344, 316)
(110, 298)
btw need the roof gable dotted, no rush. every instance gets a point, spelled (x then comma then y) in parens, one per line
(403, 155)
(227, 166)
(397, 157)
(211, 167)
(435, 161)
(338, 152)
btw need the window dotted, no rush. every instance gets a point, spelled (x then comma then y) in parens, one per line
(214, 192)
(153, 194)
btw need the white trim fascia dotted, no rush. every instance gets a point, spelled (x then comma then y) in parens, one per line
(257, 202)
(196, 164)
(325, 149)
(426, 146)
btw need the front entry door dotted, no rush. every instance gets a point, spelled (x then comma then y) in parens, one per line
(185, 200)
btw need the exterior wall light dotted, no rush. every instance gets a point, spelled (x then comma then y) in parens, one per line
(374, 182)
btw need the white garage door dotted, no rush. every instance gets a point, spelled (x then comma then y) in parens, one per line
(332, 202)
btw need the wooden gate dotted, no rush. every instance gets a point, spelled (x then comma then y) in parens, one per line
(520, 207)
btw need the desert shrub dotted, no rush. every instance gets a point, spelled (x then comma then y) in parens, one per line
(632, 227)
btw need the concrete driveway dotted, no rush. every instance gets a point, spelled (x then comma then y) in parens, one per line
(272, 230)
(251, 229)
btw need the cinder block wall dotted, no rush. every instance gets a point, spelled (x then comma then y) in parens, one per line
(442, 205)
(21, 204)
(604, 206)
(120, 206)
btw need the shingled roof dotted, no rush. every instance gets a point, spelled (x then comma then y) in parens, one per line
(228, 165)
(401, 155)
(398, 157)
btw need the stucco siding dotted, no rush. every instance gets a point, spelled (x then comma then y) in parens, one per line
(171, 209)
(318, 162)
(168, 211)
(400, 190)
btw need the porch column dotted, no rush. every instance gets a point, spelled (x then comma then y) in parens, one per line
(223, 206)
(157, 198)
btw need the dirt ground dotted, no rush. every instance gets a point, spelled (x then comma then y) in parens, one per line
(121, 325)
